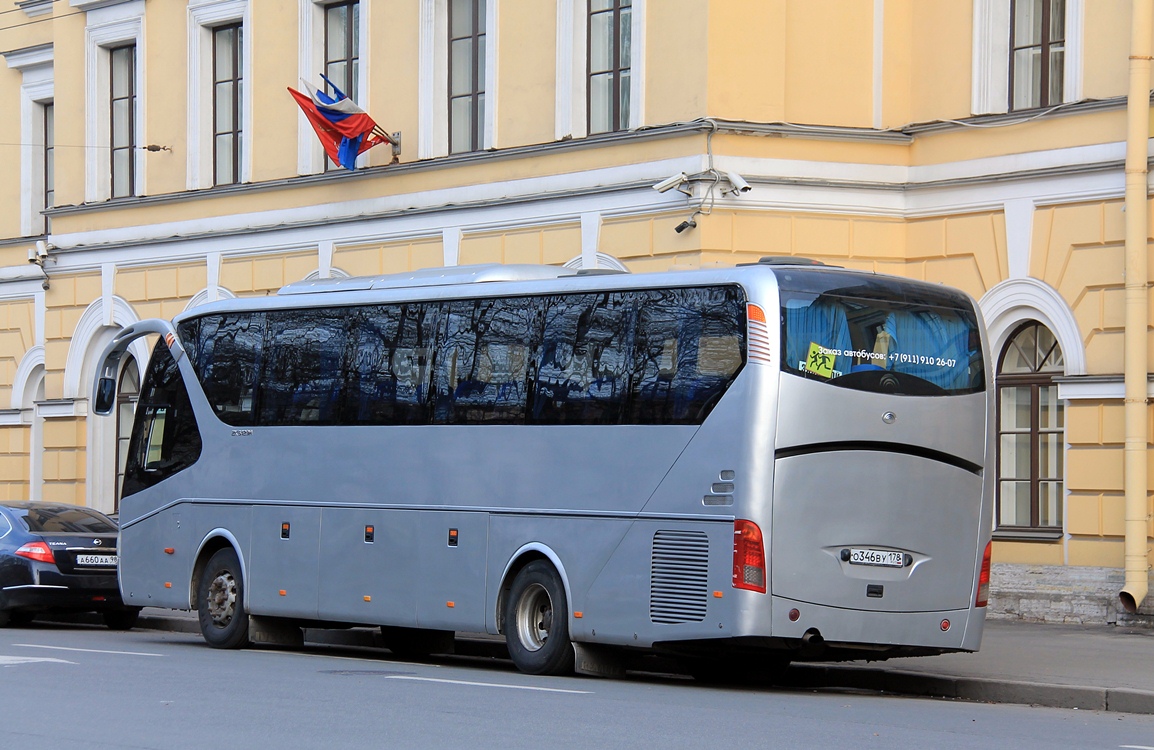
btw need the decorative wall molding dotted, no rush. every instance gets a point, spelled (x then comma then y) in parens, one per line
(1014, 301)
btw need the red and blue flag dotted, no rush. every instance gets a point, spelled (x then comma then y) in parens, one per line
(345, 130)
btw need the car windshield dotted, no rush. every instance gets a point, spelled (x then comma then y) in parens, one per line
(66, 520)
(875, 333)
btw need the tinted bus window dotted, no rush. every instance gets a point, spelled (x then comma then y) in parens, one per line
(583, 366)
(632, 357)
(165, 438)
(482, 362)
(690, 345)
(304, 368)
(877, 335)
(225, 351)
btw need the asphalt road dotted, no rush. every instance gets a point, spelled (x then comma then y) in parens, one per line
(76, 686)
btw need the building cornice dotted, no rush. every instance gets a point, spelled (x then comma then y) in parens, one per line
(29, 57)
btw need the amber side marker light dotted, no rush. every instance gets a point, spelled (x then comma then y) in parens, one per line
(945, 625)
(283, 592)
(170, 550)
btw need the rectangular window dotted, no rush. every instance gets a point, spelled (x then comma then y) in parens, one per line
(342, 49)
(1037, 53)
(466, 75)
(122, 129)
(49, 160)
(609, 55)
(227, 95)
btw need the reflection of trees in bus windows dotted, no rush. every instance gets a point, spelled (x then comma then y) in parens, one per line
(225, 351)
(630, 357)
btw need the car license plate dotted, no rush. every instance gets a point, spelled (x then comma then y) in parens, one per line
(106, 560)
(880, 557)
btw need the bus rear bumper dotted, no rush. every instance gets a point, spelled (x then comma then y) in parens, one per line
(834, 633)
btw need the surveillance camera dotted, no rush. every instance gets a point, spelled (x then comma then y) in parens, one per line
(738, 182)
(41, 249)
(32, 256)
(671, 182)
(687, 224)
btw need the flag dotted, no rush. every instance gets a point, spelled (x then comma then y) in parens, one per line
(345, 130)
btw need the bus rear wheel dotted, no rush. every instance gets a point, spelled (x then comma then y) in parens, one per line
(537, 622)
(220, 601)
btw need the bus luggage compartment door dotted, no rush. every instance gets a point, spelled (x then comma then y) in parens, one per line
(873, 530)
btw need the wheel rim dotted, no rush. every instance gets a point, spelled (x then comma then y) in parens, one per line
(222, 599)
(534, 617)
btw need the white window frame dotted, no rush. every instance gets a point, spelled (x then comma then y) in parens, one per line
(35, 64)
(203, 17)
(110, 26)
(572, 68)
(433, 79)
(991, 55)
(310, 53)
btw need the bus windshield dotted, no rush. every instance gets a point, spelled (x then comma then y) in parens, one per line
(879, 334)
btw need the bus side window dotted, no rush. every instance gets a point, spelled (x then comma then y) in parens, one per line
(583, 368)
(165, 438)
(688, 350)
(482, 363)
(225, 351)
(303, 370)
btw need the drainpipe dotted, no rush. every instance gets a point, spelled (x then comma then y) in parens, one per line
(1137, 307)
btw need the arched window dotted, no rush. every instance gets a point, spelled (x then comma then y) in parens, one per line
(1031, 432)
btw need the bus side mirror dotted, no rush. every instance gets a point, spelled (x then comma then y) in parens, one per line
(105, 396)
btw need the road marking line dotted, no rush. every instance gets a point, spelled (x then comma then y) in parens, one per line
(1138, 747)
(487, 684)
(12, 661)
(85, 650)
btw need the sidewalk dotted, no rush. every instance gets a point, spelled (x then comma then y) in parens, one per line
(1100, 668)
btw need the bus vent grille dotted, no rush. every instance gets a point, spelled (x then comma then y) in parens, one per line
(679, 589)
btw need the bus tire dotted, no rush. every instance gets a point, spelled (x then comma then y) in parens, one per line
(537, 622)
(220, 601)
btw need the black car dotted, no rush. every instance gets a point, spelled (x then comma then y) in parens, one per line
(59, 558)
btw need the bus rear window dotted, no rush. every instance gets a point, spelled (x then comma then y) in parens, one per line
(880, 334)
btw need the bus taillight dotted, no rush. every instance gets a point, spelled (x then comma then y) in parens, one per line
(748, 557)
(984, 579)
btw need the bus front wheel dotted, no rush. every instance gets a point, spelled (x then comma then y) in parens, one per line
(220, 601)
(537, 622)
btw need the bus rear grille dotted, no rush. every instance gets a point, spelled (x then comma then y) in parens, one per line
(679, 588)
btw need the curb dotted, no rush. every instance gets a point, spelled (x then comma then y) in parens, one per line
(975, 689)
(805, 676)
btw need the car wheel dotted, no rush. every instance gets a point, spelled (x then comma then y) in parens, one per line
(5, 617)
(537, 622)
(220, 602)
(121, 619)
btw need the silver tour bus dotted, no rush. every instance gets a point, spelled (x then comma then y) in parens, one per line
(744, 466)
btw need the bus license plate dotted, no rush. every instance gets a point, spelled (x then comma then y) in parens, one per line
(880, 557)
(106, 560)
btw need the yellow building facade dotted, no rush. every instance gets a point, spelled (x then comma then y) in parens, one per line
(156, 162)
